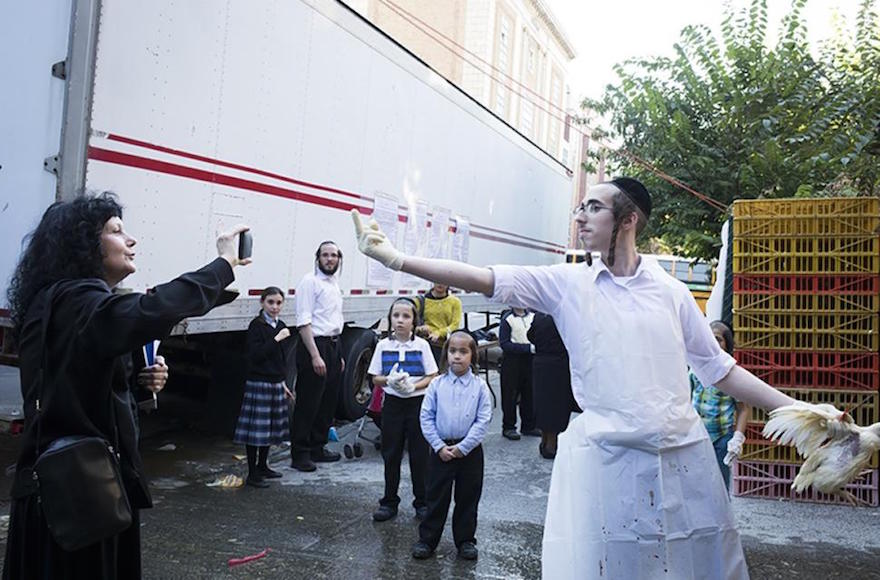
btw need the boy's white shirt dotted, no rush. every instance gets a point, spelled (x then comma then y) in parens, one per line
(391, 343)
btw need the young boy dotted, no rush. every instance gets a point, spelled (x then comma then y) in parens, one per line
(455, 416)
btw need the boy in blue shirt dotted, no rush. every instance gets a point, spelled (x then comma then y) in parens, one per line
(454, 418)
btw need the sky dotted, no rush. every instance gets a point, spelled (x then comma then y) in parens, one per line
(597, 30)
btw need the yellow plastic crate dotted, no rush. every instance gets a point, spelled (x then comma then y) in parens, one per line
(839, 216)
(788, 255)
(864, 406)
(807, 303)
(816, 332)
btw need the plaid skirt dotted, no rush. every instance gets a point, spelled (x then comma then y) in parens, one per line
(263, 419)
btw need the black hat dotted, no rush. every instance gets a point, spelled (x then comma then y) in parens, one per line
(637, 192)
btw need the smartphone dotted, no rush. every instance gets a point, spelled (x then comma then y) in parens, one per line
(245, 245)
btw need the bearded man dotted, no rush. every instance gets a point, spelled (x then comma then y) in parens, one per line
(319, 362)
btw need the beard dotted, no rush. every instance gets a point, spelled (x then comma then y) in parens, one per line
(328, 271)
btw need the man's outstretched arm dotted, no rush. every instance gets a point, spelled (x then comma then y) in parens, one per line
(375, 244)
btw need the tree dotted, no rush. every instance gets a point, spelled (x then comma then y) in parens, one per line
(737, 119)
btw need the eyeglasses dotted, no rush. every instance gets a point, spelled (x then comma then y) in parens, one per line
(589, 207)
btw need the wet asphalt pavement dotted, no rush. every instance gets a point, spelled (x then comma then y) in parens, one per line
(319, 525)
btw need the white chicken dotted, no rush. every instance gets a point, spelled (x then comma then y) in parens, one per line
(835, 449)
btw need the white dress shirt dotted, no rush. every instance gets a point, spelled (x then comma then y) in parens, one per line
(403, 352)
(319, 303)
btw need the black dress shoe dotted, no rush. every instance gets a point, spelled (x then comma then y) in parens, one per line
(269, 473)
(325, 456)
(510, 434)
(535, 432)
(542, 449)
(256, 481)
(468, 551)
(421, 550)
(303, 464)
(421, 512)
(384, 513)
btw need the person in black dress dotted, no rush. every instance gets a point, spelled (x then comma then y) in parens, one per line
(553, 399)
(263, 420)
(77, 254)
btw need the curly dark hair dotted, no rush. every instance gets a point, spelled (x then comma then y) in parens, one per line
(66, 244)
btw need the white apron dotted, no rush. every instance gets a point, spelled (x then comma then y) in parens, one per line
(636, 492)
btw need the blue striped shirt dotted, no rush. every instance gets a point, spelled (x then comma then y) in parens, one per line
(456, 408)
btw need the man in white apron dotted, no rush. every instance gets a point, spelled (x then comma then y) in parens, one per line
(635, 491)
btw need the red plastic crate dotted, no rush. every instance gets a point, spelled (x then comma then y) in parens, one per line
(855, 371)
(759, 448)
(806, 294)
(845, 284)
(767, 480)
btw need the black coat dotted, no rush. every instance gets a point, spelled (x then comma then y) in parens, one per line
(91, 332)
(554, 401)
(267, 359)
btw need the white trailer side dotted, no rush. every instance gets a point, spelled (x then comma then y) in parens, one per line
(284, 115)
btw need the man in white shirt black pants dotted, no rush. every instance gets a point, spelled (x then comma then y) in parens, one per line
(319, 360)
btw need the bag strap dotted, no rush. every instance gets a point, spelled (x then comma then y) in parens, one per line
(42, 372)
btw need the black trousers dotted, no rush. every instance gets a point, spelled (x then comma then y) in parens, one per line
(516, 386)
(316, 397)
(466, 476)
(400, 426)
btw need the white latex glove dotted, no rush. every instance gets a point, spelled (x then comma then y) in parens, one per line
(405, 386)
(734, 447)
(396, 378)
(373, 242)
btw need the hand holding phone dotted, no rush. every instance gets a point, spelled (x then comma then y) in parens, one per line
(245, 245)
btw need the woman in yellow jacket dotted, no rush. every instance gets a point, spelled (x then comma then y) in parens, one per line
(440, 314)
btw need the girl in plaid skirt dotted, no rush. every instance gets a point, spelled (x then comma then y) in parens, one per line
(263, 418)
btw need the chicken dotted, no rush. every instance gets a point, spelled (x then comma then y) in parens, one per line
(835, 449)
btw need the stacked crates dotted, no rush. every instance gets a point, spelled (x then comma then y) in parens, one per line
(806, 298)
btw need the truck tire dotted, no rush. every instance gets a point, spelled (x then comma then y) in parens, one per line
(357, 350)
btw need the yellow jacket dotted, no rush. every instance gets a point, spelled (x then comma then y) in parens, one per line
(443, 315)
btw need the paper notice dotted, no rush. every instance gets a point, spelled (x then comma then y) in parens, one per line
(385, 214)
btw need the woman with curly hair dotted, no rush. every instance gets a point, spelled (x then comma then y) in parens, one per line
(74, 258)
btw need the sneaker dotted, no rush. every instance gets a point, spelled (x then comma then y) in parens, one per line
(467, 551)
(324, 455)
(535, 432)
(384, 513)
(303, 464)
(269, 473)
(421, 550)
(256, 481)
(421, 512)
(510, 434)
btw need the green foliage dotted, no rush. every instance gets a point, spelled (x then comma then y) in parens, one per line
(734, 118)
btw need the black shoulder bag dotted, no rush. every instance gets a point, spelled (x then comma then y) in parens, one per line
(78, 481)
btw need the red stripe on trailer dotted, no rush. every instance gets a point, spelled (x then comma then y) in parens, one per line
(145, 163)
(381, 292)
(231, 165)
(291, 291)
(99, 154)
(358, 291)
(403, 291)
(255, 291)
(497, 231)
(515, 243)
